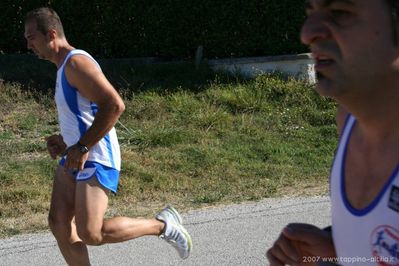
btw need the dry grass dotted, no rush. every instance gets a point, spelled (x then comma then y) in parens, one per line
(220, 144)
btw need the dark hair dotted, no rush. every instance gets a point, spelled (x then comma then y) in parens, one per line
(393, 6)
(46, 19)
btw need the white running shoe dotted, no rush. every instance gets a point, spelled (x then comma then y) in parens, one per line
(171, 213)
(174, 233)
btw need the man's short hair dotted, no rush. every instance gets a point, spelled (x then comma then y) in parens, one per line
(46, 19)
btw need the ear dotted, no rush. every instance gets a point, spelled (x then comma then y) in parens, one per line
(51, 35)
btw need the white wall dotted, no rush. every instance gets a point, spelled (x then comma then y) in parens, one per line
(300, 66)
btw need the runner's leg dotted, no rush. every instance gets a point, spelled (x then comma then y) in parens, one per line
(91, 203)
(61, 219)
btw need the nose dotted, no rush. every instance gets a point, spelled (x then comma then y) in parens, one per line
(314, 28)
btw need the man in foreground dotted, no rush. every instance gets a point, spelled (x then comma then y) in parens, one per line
(356, 51)
(88, 107)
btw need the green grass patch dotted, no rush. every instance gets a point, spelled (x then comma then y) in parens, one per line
(189, 137)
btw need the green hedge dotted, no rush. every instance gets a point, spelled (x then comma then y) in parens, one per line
(166, 28)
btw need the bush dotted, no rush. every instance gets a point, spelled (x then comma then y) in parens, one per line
(172, 28)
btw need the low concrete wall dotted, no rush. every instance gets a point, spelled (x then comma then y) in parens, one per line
(300, 66)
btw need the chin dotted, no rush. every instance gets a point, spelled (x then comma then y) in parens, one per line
(325, 88)
(331, 90)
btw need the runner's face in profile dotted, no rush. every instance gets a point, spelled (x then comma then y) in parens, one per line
(351, 42)
(36, 40)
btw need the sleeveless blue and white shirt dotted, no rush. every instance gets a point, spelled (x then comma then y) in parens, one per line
(368, 236)
(76, 115)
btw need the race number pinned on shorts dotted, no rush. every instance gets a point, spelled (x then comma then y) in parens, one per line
(85, 174)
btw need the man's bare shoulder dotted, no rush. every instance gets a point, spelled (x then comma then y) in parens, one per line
(83, 73)
(80, 62)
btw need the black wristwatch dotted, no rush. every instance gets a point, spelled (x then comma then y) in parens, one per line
(82, 148)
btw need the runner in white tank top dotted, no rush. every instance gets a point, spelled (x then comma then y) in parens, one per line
(367, 236)
(88, 107)
(76, 114)
(355, 46)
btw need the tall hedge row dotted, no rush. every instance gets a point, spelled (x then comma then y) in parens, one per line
(166, 28)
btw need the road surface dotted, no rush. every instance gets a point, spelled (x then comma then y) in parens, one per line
(223, 236)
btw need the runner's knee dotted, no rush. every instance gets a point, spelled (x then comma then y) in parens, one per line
(90, 237)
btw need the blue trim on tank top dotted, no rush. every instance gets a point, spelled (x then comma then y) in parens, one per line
(71, 98)
(374, 203)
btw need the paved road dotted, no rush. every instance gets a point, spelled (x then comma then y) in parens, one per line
(224, 236)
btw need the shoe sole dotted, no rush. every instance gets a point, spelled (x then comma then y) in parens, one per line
(189, 242)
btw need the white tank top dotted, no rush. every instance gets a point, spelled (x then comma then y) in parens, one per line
(368, 236)
(76, 115)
